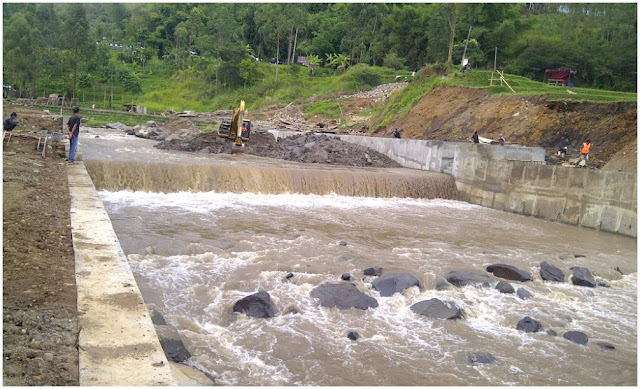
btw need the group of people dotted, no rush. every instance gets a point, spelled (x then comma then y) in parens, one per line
(73, 126)
(584, 151)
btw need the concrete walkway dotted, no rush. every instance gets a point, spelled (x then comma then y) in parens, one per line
(117, 342)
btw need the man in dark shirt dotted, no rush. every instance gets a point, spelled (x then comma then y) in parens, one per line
(11, 122)
(74, 132)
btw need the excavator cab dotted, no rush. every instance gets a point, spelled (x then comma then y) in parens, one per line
(225, 129)
(237, 128)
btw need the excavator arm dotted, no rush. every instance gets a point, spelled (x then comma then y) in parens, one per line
(235, 131)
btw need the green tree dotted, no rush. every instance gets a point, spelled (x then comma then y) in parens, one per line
(19, 48)
(77, 40)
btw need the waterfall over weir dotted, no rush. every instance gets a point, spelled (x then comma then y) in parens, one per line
(235, 178)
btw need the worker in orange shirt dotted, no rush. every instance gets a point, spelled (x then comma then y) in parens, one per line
(584, 152)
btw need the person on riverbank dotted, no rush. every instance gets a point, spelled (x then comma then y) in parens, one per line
(396, 134)
(584, 152)
(74, 133)
(475, 137)
(10, 123)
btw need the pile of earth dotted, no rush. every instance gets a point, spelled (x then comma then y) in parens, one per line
(307, 147)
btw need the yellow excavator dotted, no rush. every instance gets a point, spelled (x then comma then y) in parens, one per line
(233, 130)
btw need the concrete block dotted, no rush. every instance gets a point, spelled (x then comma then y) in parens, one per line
(572, 211)
(545, 176)
(549, 208)
(530, 173)
(609, 219)
(487, 199)
(517, 172)
(628, 223)
(576, 179)
(591, 216)
(561, 176)
(499, 201)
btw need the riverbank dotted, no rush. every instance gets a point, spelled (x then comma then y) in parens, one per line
(40, 328)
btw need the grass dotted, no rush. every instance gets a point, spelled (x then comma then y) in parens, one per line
(399, 104)
(526, 87)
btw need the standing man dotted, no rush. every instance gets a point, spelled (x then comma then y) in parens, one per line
(584, 152)
(396, 134)
(475, 137)
(74, 132)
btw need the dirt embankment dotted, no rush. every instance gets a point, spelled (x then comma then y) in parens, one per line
(453, 114)
(38, 289)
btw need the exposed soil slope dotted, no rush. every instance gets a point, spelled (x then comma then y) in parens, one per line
(454, 113)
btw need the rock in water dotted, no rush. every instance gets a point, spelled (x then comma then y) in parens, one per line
(353, 335)
(373, 271)
(171, 343)
(582, 277)
(394, 283)
(576, 337)
(524, 294)
(505, 287)
(436, 309)
(255, 305)
(528, 325)
(481, 358)
(462, 278)
(606, 346)
(549, 272)
(343, 296)
(509, 272)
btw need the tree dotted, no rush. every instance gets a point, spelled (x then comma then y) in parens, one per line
(77, 41)
(19, 48)
(314, 62)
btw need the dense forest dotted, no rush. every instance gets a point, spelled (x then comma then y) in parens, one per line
(77, 46)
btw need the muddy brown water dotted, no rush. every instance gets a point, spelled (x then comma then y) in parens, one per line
(194, 254)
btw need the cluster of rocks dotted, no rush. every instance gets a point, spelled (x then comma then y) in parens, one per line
(379, 93)
(150, 131)
(304, 147)
(346, 295)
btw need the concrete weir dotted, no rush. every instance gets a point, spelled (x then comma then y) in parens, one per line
(117, 342)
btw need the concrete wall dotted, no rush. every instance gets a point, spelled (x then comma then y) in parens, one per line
(602, 200)
(435, 155)
(515, 179)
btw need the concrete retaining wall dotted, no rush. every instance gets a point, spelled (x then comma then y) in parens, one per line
(117, 343)
(602, 200)
(515, 179)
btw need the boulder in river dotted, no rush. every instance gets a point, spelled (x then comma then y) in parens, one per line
(353, 335)
(524, 294)
(343, 296)
(393, 283)
(505, 287)
(437, 309)
(462, 278)
(480, 358)
(582, 277)
(509, 272)
(442, 284)
(255, 305)
(549, 272)
(528, 324)
(171, 343)
(576, 337)
(373, 271)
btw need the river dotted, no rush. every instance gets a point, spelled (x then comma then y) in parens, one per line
(194, 254)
